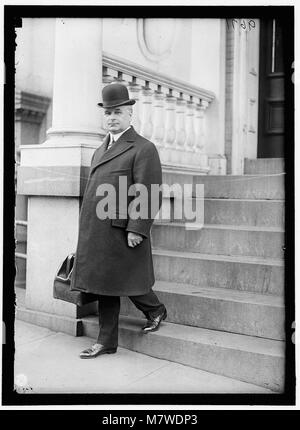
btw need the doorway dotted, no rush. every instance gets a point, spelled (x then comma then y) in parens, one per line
(271, 126)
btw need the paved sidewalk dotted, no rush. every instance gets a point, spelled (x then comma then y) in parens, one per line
(48, 362)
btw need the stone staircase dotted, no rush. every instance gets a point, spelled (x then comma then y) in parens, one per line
(223, 285)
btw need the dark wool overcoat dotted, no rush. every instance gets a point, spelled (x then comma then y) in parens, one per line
(104, 263)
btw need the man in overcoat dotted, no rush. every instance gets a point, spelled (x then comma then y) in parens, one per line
(113, 256)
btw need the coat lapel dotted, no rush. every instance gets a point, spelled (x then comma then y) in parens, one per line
(124, 143)
(101, 150)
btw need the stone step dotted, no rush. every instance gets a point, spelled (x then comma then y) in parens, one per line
(177, 177)
(246, 358)
(264, 213)
(265, 166)
(219, 309)
(256, 186)
(232, 240)
(244, 212)
(268, 187)
(255, 274)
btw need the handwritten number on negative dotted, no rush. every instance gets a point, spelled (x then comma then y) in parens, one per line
(251, 23)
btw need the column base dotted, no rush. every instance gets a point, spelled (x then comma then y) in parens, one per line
(71, 326)
(59, 169)
(66, 324)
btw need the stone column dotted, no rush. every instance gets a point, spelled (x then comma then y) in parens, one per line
(77, 79)
(54, 174)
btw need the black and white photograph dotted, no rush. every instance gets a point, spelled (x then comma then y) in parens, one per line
(153, 202)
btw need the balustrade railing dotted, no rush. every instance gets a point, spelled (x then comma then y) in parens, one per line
(168, 111)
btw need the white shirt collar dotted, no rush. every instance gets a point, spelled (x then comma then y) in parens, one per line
(118, 135)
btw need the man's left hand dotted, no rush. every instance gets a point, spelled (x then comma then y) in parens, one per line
(134, 239)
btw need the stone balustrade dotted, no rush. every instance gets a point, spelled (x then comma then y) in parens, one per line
(169, 112)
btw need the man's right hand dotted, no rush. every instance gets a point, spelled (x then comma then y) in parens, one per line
(134, 239)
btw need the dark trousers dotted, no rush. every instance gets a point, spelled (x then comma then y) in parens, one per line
(109, 310)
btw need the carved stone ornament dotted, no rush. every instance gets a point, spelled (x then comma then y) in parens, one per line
(156, 37)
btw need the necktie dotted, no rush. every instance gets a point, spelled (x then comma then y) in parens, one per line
(111, 143)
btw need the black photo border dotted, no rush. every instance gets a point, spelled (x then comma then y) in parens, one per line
(13, 18)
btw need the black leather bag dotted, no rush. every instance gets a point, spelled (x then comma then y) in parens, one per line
(62, 284)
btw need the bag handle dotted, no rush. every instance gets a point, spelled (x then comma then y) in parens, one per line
(70, 258)
(67, 262)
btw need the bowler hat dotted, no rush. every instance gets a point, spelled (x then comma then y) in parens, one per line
(114, 95)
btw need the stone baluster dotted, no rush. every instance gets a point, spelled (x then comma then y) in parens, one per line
(134, 93)
(170, 122)
(180, 123)
(158, 117)
(190, 134)
(200, 126)
(146, 120)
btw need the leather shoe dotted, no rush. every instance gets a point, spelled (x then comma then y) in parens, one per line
(154, 323)
(95, 350)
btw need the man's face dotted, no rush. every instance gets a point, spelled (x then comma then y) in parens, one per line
(117, 119)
